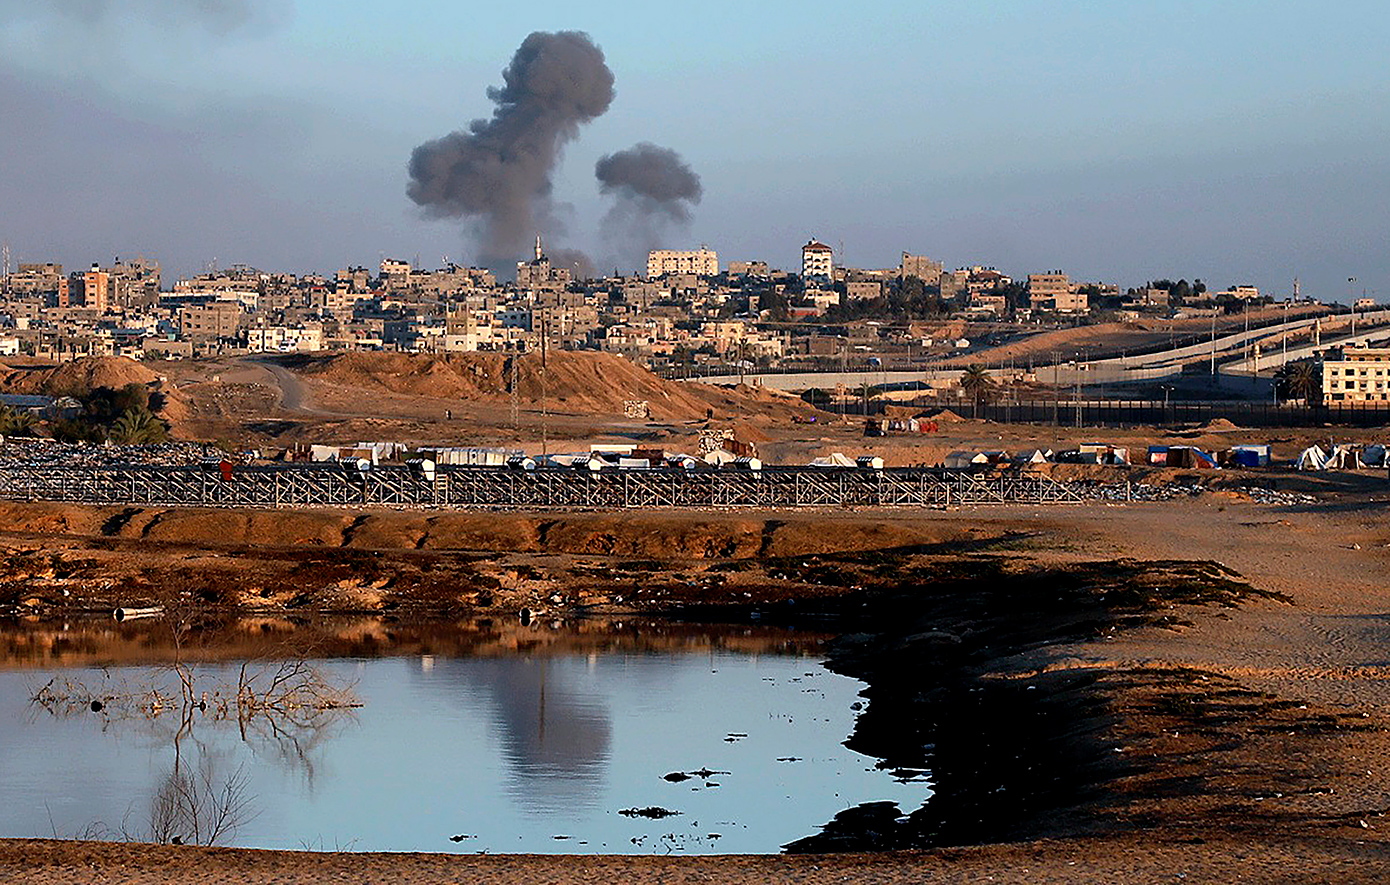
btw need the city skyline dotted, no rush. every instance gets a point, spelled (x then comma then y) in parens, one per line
(1236, 145)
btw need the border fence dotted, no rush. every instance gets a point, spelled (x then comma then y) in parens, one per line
(1132, 413)
(479, 488)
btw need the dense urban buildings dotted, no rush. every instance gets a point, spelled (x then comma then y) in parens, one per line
(684, 315)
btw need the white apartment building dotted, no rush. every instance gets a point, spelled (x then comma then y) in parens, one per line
(701, 262)
(817, 260)
(284, 339)
(1362, 375)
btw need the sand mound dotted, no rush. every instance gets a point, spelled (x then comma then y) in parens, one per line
(78, 376)
(571, 382)
(945, 416)
(1217, 425)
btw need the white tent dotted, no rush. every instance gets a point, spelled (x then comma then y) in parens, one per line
(1312, 458)
(720, 458)
(1344, 457)
(834, 459)
(961, 460)
(1035, 456)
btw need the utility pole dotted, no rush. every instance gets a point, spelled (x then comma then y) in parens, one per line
(545, 414)
(1079, 367)
(1351, 299)
(1213, 339)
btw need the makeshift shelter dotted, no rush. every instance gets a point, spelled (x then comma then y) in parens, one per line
(1190, 456)
(963, 460)
(1105, 454)
(869, 462)
(1034, 456)
(1312, 458)
(834, 459)
(1374, 455)
(1248, 456)
(1344, 457)
(1158, 456)
(720, 458)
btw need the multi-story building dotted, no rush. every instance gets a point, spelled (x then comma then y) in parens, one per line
(1362, 375)
(1054, 291)
(817, 261)
(94, 287)
(748, 268)
(209, 323)
(921, 267)
(701, 262)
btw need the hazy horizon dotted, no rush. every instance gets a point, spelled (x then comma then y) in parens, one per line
(1240, 144)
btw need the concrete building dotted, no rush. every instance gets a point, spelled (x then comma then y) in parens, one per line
(1362, 375)
(921, 267)
(817, 261)
(211, 322)
(748, 269)
(1054, 291)
(865, 289)
(95, 289)
(701, 262)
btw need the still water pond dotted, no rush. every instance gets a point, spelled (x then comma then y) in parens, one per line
(539, 749)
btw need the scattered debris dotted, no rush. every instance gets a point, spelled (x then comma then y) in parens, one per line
(655, 812)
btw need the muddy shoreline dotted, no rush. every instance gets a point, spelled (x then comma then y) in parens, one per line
(973, 634)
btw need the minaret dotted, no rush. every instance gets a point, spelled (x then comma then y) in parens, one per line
(539, 254)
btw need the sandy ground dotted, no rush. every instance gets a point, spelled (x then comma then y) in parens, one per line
(1100, 860)
(1324, 647)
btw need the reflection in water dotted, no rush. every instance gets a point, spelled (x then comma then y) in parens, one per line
(547, 734)
(555, 735)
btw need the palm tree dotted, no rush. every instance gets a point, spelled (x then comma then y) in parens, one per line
(137, 427)
(976, 382)
(16, 423)
(1302, 380)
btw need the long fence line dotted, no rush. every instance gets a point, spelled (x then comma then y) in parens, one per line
(478, 488)
(1133, 413)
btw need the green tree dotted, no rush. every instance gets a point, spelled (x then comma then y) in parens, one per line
(14, 422)
(1301, 380)
(978, 385)
(137, 427)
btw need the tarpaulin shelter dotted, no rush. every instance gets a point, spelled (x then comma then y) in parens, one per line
(1312, 458)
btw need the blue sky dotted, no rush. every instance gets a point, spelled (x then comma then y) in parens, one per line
(1236, 142)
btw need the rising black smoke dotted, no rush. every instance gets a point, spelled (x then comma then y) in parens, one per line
(653, 189)
(498, 172)
(218, 16)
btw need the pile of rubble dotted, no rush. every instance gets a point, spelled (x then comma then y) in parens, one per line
(48, 453)
(1094, 490)
(1275, 497)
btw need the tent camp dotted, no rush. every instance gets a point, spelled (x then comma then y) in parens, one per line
(834, 459)
(1312, 458)
(1246, 456)
(1104, 453)
(1190, 456)
(1344, 457)
(1033, 456)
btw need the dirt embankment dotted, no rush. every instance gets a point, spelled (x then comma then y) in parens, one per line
(578, 382)
(62, 558)
(78, 376)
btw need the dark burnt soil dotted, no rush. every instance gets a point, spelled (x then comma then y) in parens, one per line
(965, 691)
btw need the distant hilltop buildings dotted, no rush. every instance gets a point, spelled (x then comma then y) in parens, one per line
(686, 314)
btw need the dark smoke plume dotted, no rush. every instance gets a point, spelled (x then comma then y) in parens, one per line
(498, 171)
(218, 16)
(653, 188)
